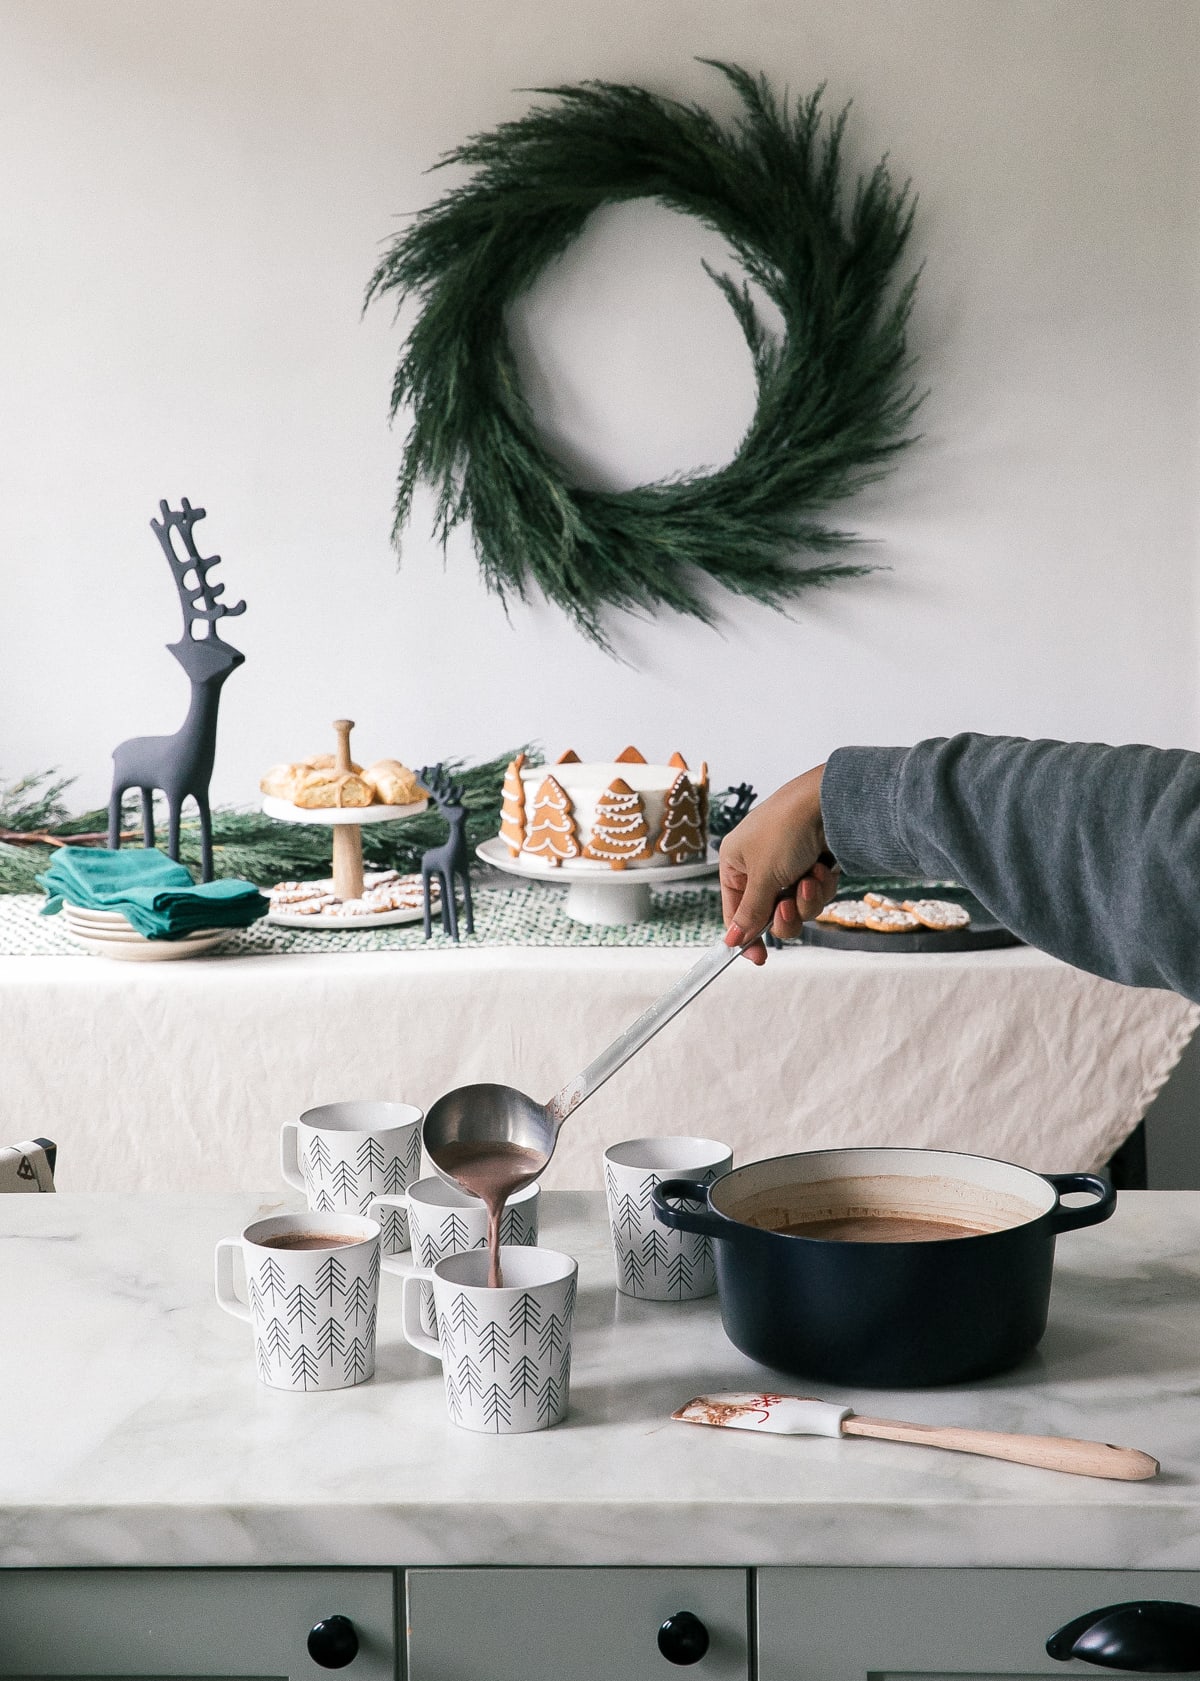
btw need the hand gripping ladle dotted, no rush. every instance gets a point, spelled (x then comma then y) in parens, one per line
(488, 1114)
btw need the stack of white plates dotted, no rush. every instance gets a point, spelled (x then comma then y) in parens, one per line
(109, 934)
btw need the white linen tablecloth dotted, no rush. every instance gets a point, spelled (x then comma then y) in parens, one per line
(176, 1076)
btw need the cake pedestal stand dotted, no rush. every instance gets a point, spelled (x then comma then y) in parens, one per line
(346, 822)
(596, 893)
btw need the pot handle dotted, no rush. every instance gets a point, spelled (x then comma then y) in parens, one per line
(700, 1219)
(1154, 1636)
(1091, 1214)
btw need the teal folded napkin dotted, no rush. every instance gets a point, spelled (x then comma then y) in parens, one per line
(157, 895)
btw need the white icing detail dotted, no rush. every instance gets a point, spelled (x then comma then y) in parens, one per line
(938, 913)
(846, 911)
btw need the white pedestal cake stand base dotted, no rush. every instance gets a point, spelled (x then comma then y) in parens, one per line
(596, 893)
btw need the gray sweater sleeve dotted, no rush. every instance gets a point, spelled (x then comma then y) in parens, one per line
(1090, 852)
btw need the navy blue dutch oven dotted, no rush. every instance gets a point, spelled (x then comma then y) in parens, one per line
(896, 1313)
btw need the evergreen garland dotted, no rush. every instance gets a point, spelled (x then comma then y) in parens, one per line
(246, 844)
(834, 397)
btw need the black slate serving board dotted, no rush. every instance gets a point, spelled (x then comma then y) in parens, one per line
(983, 934)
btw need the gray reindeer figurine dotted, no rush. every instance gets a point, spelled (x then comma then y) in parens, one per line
(181, 764)
(449, 862)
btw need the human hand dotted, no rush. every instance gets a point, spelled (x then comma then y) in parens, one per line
(775, 871)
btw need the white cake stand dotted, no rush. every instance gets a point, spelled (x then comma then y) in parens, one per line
(595, 892)
(346, 823)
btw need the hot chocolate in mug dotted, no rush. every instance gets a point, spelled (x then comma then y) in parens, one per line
(506, 1353)
(311, 1293)
(442, 1220)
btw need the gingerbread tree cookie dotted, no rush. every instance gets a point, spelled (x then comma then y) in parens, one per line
(682, 838)
(512, 807)
(552, 833)
(619, 830)
(630, 756)
(702, 799)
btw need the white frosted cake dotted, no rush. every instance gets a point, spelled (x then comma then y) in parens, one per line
(615, 814)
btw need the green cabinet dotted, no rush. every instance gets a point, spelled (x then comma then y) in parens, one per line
(576, 1624)
(191, 1624)
(936, 1625)
(570, 1624)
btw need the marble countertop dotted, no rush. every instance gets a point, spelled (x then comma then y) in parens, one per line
(135, 1431)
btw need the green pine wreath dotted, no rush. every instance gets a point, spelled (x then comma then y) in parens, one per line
(834, 395)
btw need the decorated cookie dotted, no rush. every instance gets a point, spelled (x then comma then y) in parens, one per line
(939, 914)
(883, 920)
(402, 893)
(605, 820)
(512, 808)
(294, 892)
(846, 913)
(351, 909)
(881, 902)
(315, 906)
(552, 832)
(682, 838)
(619, 832)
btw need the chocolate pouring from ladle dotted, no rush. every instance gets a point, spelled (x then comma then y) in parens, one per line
(502, 1115)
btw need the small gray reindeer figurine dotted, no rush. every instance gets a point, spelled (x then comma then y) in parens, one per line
(449, 861)
(181, 764)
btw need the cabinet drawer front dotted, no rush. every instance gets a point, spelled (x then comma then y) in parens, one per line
(570, 1625)
(190, 1623)
(936, 1625)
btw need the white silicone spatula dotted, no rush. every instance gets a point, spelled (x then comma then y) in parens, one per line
(800, 1415)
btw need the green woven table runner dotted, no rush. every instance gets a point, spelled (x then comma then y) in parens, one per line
(529, 915)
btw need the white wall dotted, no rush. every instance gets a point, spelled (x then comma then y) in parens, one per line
(193, 193)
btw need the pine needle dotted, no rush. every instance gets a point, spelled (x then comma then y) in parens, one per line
(246, 844)
(835, 394)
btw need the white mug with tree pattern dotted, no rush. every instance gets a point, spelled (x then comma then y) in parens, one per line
(313, 1310)
(344, 1155)
(442, 1220)
(655, 1263)
(505, 1354)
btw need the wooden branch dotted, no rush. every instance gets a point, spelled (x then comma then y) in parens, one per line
(39, 837)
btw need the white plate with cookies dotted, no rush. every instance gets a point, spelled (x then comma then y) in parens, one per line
(313, 904)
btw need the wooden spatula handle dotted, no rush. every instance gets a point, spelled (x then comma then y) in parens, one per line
(1053, 1453)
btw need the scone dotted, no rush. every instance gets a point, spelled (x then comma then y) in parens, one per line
(280, 781)
(319, 789)
(393, 783)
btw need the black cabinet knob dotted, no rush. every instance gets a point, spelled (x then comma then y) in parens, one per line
(333, 1642)
(683, 1638)
(1145, 1636)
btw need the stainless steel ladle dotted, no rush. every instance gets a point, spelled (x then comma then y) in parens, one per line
(492, 1114)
